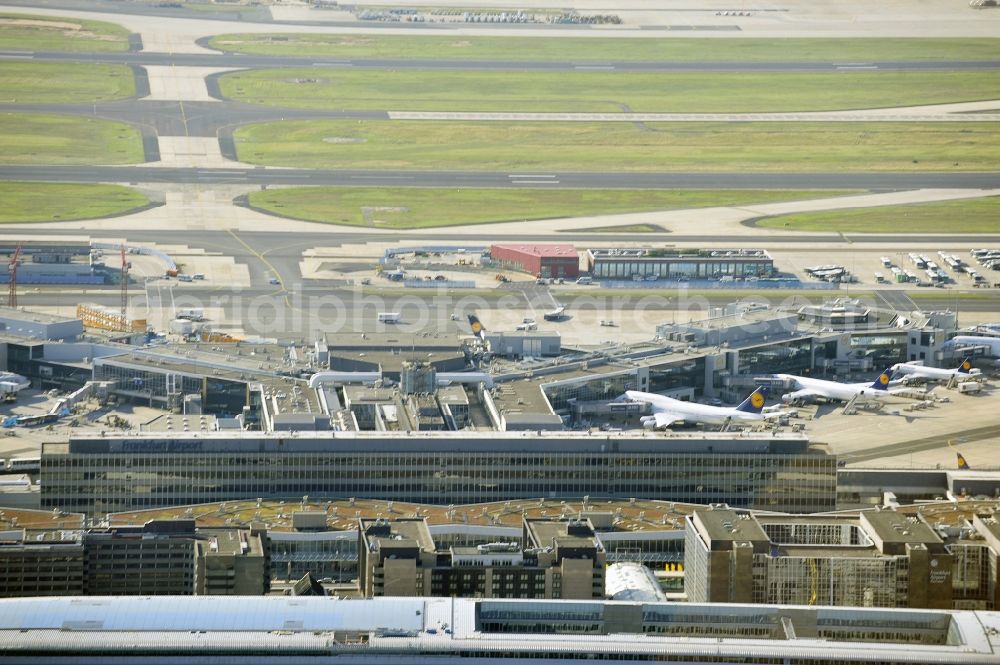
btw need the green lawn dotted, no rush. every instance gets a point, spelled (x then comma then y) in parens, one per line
(528, 146)
(56, 82)
(596, 49)
(54, 202)
(968, 216)
(603, 92)
(38, 138)
(412, 208)
(54, 33)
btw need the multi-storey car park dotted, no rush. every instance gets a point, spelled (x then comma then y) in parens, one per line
(174, 629)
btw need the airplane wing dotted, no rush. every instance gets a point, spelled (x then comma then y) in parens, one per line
(665, 419)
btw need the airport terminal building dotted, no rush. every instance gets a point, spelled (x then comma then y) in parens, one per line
(115, 472)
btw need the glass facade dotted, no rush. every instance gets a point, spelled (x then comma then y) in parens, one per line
(114, 482)
(884, 349)
(790, 357)
(690, 267)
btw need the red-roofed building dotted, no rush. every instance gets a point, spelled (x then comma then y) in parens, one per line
(539, 260)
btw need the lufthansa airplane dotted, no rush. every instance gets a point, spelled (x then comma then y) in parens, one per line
(808, 389)
(478, 329)
(668, 411)
(912, 371)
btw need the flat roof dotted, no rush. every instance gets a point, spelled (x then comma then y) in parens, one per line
(628, 516)
(258, 443)
(894, 527)
(275, 624)
(20, 314)
(545, 251)
(393, 341)
(722, 525)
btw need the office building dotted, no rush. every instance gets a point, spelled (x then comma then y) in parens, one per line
(678, 264)
(876, 559)
(554, 260)
(320, 538)
(160, 557)
(553, 559)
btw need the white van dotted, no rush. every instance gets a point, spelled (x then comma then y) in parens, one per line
(389, 317)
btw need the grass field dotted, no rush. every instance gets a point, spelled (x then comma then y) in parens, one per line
(56, 82)
(37, 138)
(528, 146)
(25, 32)
(54, 202)
(597, 49)
(603, 92)
(967, 216)
(412, 208)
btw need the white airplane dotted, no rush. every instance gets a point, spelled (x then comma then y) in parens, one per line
(11, 384)
(668, 411)
(910, 371)
(993, 343)
(810, 389)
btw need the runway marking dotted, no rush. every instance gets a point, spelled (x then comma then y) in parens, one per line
(11, 56)
(332, 64)
(382, 177)
(528, 175)
(534, 182)
(857, 66)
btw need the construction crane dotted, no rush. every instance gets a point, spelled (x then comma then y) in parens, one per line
(124, 313)
(12, 277)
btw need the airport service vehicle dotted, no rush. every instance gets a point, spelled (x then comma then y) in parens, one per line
(808, 389)
(913, 371)
(24, 464)
(557, 314)
(389, 317)
(185, 278)
(526, 326)
(585, 280)
(668, 411)
(969, 387)
(190, 313)
(11, 384)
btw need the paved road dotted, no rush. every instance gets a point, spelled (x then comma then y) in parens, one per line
(537, 179)
(236, 60)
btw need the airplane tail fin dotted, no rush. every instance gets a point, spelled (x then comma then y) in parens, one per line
(755, 402)
(966, 366)
(962, 464)
(882, 382)
(478, 329)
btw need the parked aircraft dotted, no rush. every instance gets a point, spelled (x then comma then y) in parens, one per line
(912, 371)
(478, 329)
(667, 410)
(808, 389)
(992, 343)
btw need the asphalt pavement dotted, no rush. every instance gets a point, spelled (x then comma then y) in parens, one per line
(875, 181)
(242, 61)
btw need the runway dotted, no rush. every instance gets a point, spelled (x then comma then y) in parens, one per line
(569, 179)
(240, 61)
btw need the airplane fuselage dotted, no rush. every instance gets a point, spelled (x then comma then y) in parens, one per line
(691, 412)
